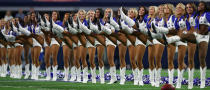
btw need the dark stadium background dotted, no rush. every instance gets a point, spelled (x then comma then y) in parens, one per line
(73, 5)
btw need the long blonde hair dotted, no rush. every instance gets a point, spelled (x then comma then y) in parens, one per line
(155, 13)
(162, 5)
(183, 8)
(133, 10)
(170, 7)
(87, 16)
(82, 10)
(105, 12)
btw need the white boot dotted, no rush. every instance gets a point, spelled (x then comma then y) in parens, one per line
(37, 73)
(135, 74)
(6, 66)
(122, 75)
(24, 30)
(73, 74)
(85, 75)
(157, 77)
(55, 73)
(66, 72)
(113, 75)
(93, 73)
(94, 27)
(12, 71)
(78, 74)
(33, 71)
(113, 23)
(84, 28)
(101, 73)
(19, 71)
(126, 28)
(48, 71)
(179, 79)
(57, 28)
(106, 30)
(27, 71)
(1, 70)
(161, 29)
(173, 39)
(170, 76)
(140, 74)
(190, 78)
(16, 70)
(151, 76)
(203, 77)
(128, 20)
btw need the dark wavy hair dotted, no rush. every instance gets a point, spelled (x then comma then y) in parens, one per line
(101, 12)
(145, 11)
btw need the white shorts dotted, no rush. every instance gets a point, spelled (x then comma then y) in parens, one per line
(155, 41)
(1, 46)
(8, 46)
(200, 38)
(97, 42)
(45, 43)
(79, 43)
(18, 44)
(63, 43)
(53, 41)
(139, 42)
(118, 42)
(181, 43)
(89, 44)
(36, 43)
(74, 45)
(149, 43)
(109, 42)
(128, 42)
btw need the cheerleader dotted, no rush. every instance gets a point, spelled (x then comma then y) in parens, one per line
(10, 37)
(141, 47)
(159, 46)
(151, 48)
(190, 22)
(27, 47)
(18, 52)
(75, 71)
(132, 13)
(24, 36)
(91, 46)
(67, 50)
(122, 49)
(100, 47)
(82, 23)
(37, 45)
(54, 45)
(3, 52)
(108, 29)
(45, 27)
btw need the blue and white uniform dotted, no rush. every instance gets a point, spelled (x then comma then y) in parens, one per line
(159, 23)
(108, 26)
(10, 36)
(141, 24)
(180, 24)
(35, 30)
(204, 19)
(53, 40)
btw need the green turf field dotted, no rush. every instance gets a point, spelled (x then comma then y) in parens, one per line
(17, 84)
